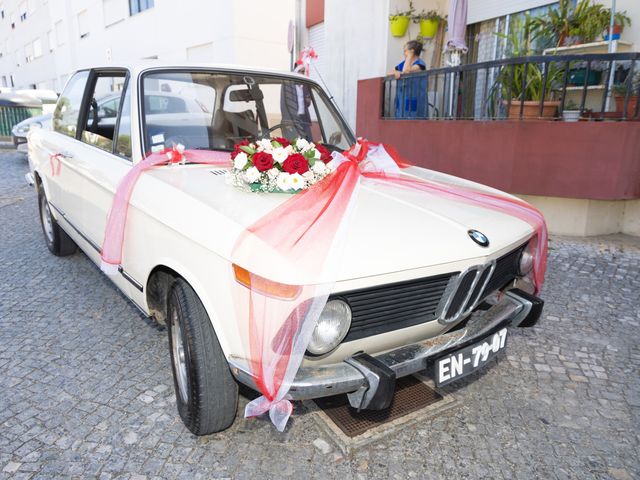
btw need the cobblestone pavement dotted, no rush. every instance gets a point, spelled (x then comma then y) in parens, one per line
(86, 388)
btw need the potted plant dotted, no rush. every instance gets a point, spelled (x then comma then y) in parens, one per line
(523, 84)
(620, 20)
(571, 112)
(631, 88)
(399, 21)
(428, 22)
(578, 73)
(570, 24)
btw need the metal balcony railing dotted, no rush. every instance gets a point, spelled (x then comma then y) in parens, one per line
(573, 87)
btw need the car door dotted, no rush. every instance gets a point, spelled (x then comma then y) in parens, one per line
(103, 154)
(56, 151)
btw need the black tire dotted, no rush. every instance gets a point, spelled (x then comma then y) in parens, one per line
(57, 240)
(208, 399)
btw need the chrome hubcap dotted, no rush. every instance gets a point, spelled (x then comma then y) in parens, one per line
(179, 358)
(47, 223)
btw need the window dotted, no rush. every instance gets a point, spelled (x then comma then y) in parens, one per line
(123, 142)
(37, 48)
(113, 11)
(59, 33)
(214, 111)
(67, 112)
(22, 10)
(99, 129)
(28, 52)
(137, 6)
(51, 40)
(83, 24)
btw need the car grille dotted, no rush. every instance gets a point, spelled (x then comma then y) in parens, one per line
(385, 308)
(393, 306)
(506, 270)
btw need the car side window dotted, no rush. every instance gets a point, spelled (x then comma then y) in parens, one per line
(123, 142)
(103, 106)
(67, 111)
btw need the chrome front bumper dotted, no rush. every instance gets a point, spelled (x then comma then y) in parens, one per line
(362, 384)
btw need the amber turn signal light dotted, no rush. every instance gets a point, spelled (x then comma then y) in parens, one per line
(265, 286)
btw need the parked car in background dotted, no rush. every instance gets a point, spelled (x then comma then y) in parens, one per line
(47, 97)
(20, 130)
(435, 282)
(15, 108)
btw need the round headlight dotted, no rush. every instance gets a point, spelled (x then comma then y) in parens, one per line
(22, 129)
(331, 327)
(525, 265)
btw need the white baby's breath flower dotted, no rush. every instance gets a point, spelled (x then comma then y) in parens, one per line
(240, 161)
(308, 176)
(283, 181)
(319, 167)
(296, 181)
(273, 173)
(279, 154)
(253, 174)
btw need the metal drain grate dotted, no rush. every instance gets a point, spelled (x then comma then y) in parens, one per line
(411, 395)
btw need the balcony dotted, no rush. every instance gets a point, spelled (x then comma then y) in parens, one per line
(474, 122)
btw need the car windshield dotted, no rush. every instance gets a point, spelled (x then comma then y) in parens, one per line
(214, 111)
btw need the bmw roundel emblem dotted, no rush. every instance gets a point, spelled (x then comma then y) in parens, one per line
(479, 237)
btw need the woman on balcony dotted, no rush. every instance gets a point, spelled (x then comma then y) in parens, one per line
(410, 92)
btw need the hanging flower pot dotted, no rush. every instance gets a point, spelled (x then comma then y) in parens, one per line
(399, 25)
(428, 28)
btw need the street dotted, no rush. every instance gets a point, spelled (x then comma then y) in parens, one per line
(86, 388)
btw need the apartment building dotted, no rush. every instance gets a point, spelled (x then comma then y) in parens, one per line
(43, 41)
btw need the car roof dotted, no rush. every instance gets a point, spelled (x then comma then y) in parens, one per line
(140, 66)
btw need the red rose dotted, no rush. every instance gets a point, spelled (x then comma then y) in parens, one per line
(325, 155)
(262, 161)
(295, 163)
(282, 141)
(237, 150)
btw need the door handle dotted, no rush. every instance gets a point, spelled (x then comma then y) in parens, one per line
(65, 154)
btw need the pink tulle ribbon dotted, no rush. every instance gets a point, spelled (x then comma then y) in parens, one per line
(306, 232)
(116, 222)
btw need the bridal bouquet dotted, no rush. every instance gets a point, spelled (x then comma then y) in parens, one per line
(279, 165)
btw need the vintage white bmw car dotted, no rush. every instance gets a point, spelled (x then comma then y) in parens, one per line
(430, 286)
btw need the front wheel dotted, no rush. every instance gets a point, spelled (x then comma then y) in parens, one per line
(206, 392)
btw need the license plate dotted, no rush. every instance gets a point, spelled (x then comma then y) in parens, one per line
(469, 359)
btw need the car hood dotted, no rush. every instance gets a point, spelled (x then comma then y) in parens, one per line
(389, 230)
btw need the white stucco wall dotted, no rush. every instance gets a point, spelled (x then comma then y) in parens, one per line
(250, 32)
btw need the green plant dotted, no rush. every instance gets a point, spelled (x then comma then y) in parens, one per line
(584, 21)
(525, 81)
(430, 15)
(631, 85)
(571, 105)
(406, 13)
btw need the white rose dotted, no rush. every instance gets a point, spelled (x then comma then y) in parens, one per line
(302, 145)
(264, 145)
(296, 181)
(240, 161)
(279, 154)
(316, 154)
(289, 149)
(273, 173)
(283, 181)
(253, 174)
(319, 167)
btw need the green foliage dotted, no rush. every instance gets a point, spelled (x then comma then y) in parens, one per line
(631, 85)
(429, 15)
(525, 81)
(585, 21)
(407, 13)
